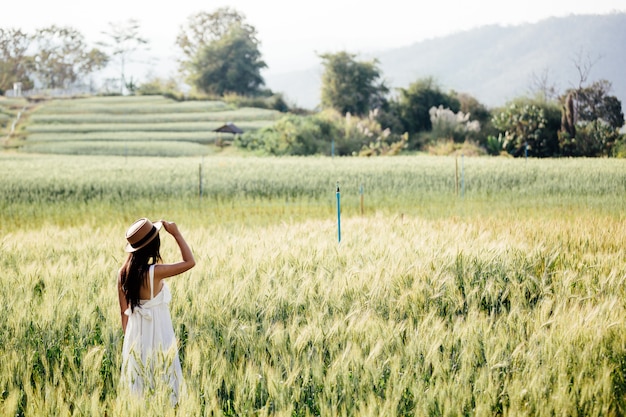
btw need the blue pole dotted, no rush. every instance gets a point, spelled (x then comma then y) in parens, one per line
(362, 209)
(526, 151)
(338, 214)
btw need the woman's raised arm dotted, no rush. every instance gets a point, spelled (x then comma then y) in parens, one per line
(187, 262)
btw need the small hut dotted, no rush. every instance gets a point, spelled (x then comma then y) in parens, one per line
(227, 128)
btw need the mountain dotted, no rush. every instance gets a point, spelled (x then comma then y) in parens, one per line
(495, 63)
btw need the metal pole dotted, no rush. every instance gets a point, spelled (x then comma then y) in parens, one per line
(526, 151)
(338, 214)
(362, 208)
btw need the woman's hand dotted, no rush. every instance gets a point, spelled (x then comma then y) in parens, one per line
(170, 227)
(188, 261)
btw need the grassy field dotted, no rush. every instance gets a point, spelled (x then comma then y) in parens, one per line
(508, 300)
(125, 126)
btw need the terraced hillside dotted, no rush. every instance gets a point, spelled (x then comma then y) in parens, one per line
(11, 110)
(142, 125)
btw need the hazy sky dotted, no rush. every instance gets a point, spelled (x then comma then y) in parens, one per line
(293, 32)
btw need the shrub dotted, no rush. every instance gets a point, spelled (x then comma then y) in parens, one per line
(320, 133)
(619, 150)
(595, 138)
(272, 102)
(449, 125)
(290, 135)
(527, 125)
(449, 147)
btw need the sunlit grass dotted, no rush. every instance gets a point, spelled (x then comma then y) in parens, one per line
(506, 301)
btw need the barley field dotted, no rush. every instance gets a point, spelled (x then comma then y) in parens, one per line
(504, 295)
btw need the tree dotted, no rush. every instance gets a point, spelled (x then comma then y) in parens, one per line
(414, 103)
(124, 41)
(231, 64)
(541, 86)
(591, 120)
(203, 28)
(594, 102)
(590, 117)
(221, 53)
(15, 63)
(476, 110)
(62, 57)
(350, 86)
(527, 125)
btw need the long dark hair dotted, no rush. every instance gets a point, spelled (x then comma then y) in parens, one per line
(134, 272)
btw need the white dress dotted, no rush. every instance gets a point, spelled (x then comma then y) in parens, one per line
(150, 353)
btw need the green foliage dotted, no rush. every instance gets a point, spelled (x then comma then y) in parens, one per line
(452, 148)
(591, 121)
(56, 57)
(15, 62)
(612, 112)
(62, 57)
(528, 126)
(372, 138)
(290, 135)
(382, 146)
(222, 53)
(351, 86)
(157, 86)
(270, 101)
(520, 126)
(231, 64)
(414, 103)
(592, 139)
(619, 150)
(324, 133)
(594, 102)
(202, 28)
(4, 120)
(493, 145)
(448, 125)
(476, 110)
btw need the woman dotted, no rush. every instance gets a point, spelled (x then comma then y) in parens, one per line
(150, 355)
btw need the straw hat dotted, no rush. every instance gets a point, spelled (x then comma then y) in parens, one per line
(140, 233)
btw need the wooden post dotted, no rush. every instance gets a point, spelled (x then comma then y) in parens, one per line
(456, 177)
(462, 176)
(200, 180)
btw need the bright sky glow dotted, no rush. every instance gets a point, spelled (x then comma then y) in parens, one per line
(292, 33)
